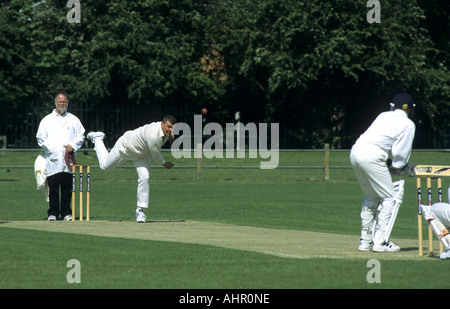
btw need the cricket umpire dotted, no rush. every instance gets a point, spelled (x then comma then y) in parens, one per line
(138, 146)
(391, 133)
(59, 132)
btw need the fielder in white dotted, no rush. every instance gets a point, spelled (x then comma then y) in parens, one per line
(392, 133)
(138, 146)
(438, 217)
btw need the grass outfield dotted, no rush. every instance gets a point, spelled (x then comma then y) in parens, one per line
(232, 229)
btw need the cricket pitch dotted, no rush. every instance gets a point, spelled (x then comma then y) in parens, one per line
(279, 242)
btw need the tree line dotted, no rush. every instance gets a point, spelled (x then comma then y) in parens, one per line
(318, 68)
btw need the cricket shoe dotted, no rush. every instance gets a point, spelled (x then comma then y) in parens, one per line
(385, 247)
(51, 218)
(68, 218)
(92, 136)
(445, 255)
(364, 245)
(140, 216)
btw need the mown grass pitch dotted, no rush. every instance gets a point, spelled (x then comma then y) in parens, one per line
(232, 229)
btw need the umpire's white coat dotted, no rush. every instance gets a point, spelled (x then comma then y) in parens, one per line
(391, 132)
(54, 133)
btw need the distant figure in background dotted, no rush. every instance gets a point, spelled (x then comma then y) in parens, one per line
(392, 132)
(59, 132)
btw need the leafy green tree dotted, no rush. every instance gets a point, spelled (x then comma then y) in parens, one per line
(121, 52)
(320, 69)
(16, 61)
(316, 67)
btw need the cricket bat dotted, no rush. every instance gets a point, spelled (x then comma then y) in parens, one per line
(432, 170)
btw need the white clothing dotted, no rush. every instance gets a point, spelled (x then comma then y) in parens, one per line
(371, 171)
(393, 132)
(54, 133)
(138, 146)
(144, 141)
(442, 212)
(41, 175)
(439, 221)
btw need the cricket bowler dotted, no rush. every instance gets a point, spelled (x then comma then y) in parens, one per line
(139, 146)
(391, 133)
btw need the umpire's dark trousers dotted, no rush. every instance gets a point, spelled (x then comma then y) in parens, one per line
(56, 182)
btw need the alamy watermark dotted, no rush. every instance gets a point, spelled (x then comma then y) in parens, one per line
(213, 147)
(374, 15)
(74, 15)
(74, 274)
(374, 274)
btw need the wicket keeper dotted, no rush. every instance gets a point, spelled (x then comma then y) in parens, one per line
(391, 133)
(138, 146)
(438, 217)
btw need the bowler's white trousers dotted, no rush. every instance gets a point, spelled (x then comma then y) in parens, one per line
(118, 155)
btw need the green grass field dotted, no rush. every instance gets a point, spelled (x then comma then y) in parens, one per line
(231, 229)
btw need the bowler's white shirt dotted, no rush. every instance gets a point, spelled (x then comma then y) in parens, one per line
(54, 133)
(391, 131)
(146, 141)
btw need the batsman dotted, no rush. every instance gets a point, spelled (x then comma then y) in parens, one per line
(391, 134)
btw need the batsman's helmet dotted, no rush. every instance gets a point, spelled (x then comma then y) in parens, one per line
(402, 101)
